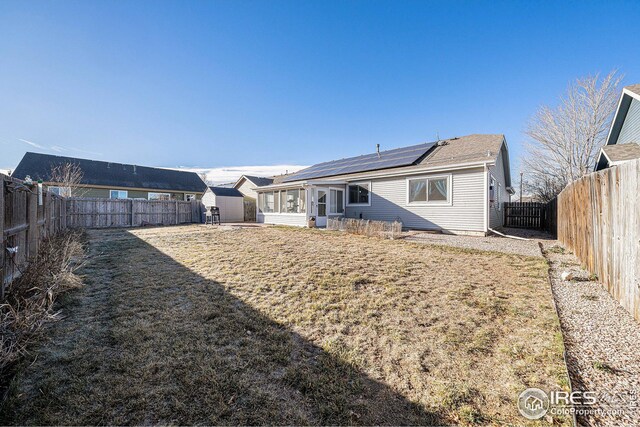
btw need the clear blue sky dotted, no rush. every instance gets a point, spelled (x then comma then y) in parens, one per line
(212, 84)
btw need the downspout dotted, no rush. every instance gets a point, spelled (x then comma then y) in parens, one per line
(486, 199)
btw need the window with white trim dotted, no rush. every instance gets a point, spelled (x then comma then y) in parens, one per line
(359, 193)
(118, 194)
(429, 190)
(159, 196)
(336, 201)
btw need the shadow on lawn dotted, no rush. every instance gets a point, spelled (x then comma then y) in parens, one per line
(149, 341)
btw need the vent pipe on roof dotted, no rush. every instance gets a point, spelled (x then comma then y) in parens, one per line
(134, 169)
(378, 149)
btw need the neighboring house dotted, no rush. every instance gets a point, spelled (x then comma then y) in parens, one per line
(247, 183)
(623, 142)
(114, 180)
(229, 200)
(456, 185)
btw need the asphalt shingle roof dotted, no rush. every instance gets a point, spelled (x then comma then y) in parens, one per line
(95, 172)
(634, 88)
(259, 180)
(226, 192)
(621, 152)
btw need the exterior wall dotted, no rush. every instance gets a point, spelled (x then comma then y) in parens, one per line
(466, 213)
(133, 194)
(209, 199)
(630, 131)
(496, 210)
(246, 189)
(299, 220)
(231, 208)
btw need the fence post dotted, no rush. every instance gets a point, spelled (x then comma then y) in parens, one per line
(2, 239)
(177, 213)
(33, 222)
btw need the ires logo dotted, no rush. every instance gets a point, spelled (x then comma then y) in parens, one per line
(576, 398)
(534, 403)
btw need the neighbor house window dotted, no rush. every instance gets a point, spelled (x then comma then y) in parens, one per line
(429, 190)
(159, 196)
(336, 201)
(60, 191)
(118, 194)
(359, 194)
(189, 197)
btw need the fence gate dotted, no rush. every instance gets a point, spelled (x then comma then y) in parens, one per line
(249, 211)
(532, 215)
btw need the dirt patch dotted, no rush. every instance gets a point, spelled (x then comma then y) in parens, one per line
(189, 325)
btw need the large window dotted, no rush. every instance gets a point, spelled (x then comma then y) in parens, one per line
(118, 194)
(267, 202)
(159, 196)
(359, 193)
(429, 190)
(285, 201)
(336, 201)
(292, 201)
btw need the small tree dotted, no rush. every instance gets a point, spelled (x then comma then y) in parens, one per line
(68, 176)
(565, 140)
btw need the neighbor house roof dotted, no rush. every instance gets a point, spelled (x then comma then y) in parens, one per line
(226, 192)
(629, 94)
(475, 148)
(622, 152)
(259, 180)
(98, 173)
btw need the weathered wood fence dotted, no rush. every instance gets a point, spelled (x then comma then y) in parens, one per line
(532, 215)
(105, 213)
(249, 210)
(25, 220)
(599, 220)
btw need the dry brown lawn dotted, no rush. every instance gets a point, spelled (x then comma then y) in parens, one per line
(186, 325)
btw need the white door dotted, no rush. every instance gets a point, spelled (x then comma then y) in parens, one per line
(321, 208)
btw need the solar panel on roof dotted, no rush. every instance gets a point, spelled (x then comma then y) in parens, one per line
(367, 162)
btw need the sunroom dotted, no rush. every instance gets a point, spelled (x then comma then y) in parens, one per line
(297, 203)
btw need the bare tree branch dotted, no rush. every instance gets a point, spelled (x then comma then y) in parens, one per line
(565, 140)
(68, 176)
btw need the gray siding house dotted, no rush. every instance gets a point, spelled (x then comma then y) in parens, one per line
(113, 180)
(455, 186)
(623, 141)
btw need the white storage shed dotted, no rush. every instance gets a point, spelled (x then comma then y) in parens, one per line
(229, 200)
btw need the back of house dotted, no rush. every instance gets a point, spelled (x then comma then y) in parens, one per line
(456, 185)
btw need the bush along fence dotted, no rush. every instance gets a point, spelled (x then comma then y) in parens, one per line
(28, 214)
(599, 220)
(105, 213)
(366, 227)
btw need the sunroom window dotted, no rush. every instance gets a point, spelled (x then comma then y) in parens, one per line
(336, 201)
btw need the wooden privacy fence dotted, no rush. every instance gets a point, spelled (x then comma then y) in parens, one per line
(532, 215)
(249, 210)
(25, 220)
(105, 213)
(599, 220)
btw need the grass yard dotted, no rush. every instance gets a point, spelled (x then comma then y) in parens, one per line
(184, 325)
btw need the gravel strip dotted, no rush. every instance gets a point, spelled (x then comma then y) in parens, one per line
(602, 341)
(488, 243)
